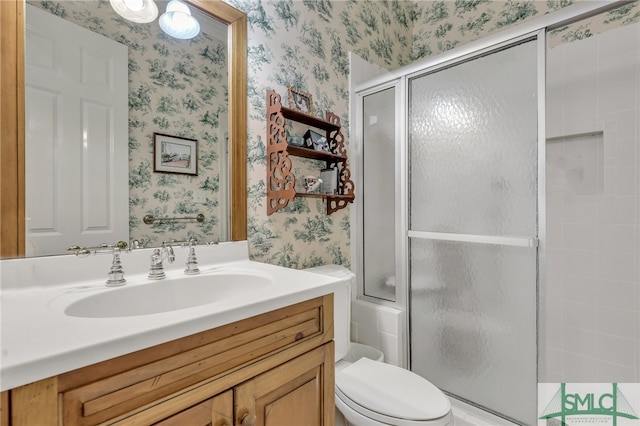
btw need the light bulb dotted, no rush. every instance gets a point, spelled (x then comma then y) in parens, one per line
(178, 6)
(135, 5)
(178, 22)
(139, 11)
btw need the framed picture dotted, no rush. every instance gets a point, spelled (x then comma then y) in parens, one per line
(302, 101)
(172, 154)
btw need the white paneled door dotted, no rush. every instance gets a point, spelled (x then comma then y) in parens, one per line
(76, 119)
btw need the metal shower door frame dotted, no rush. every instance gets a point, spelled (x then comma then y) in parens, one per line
(399, 78)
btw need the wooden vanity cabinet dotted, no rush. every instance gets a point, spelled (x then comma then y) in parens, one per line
(272, 369)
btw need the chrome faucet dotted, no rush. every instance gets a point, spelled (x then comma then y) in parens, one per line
(115, 276)
(156, 272)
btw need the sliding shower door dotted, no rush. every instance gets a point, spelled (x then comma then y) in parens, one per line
(473, 198)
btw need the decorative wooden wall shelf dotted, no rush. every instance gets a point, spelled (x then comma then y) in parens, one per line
(280, 179)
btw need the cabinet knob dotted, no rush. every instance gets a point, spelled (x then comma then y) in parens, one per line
(248, 419)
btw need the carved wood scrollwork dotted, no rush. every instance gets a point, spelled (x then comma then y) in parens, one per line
(345, 184)
(280, 179)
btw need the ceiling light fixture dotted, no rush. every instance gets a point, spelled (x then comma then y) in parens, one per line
(139, 11)
(178, 22)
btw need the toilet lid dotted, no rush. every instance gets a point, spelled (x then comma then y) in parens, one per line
(392, 391)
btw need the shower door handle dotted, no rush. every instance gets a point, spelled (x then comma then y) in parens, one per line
(514, 241)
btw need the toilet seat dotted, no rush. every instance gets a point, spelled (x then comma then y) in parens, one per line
(391, 395)
(368, 417)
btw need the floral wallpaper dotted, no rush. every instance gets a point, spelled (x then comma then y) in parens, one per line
(178, 88)
(442, 25)
(298, 43)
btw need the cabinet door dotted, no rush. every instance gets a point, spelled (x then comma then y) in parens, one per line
(4, 408)
(216, 411)
(298, 392)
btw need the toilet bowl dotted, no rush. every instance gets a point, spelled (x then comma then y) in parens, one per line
(369, 392)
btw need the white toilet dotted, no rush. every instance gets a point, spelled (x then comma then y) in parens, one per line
(370, 392)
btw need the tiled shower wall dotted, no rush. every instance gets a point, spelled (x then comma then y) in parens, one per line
(380, 327)
(590, 302)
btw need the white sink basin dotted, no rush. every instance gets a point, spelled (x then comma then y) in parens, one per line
(167, 295)
(58, 315)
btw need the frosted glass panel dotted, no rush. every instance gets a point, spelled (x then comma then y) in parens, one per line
(473, 170)
(472, 146)
(473, 323)
(379, 198)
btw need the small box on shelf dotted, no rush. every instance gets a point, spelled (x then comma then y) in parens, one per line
(329, 179)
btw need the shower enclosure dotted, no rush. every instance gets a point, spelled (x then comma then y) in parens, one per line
(465, 206)
(471, 153)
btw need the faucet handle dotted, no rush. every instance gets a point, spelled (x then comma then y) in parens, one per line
(156, 271)
(115, 277)
(171, 256)
(191, 267)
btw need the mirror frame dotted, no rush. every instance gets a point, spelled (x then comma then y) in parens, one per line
(12, 125)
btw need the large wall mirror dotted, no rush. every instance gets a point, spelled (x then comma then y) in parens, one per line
(180, 94)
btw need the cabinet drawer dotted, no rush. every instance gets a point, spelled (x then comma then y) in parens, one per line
(101, 392)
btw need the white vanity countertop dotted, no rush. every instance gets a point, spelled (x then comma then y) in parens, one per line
(38, 340)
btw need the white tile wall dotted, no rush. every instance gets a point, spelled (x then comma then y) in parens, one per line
(379, 326)
(590, 300)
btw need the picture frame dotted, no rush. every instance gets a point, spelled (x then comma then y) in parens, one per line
(301, 101)
(173, 154)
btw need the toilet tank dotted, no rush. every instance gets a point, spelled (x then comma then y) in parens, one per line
(341, 305)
